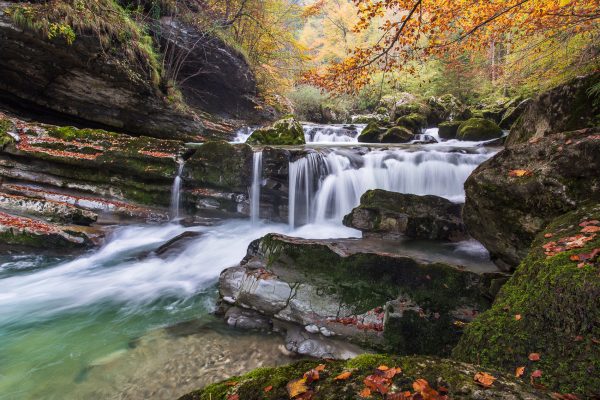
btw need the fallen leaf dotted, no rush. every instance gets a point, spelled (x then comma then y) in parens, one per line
(590, 222)
(296, 387)
(578, 338)
(268, 389)
(383, 368)
(590, 229)
(534, 357)
(484, 379)
(422, 387)
(231, 383)
(378, 383)
(390, 373)
(519, 172)
(548, 235)
(518, 317)
(320, 367)
(343, 376)
(399, 396)
(519, 372)
(234, 396)
(366, 392)
(535, 374)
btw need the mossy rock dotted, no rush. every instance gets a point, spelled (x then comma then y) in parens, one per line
(415, 122)
(397, 134)
(449, 129)
(286, 131)
(478, 129)
(455, 377)
(550, 306)
(381, 111)
(372, 132)
(5, 126)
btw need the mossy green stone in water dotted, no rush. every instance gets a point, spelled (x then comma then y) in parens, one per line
(397, 134)
(559, 307)
(456, 377)
(478, 129)
(449, 129)
(286, 131)
(415, 122)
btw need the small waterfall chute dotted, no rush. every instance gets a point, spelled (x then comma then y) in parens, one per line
(176, 193)
(255, 188)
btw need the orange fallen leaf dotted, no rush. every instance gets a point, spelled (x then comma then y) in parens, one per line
(589, 222)
(320, 367)
(519, 172)
(366, 392)
(519, 372)
(343, 376)
(548, 235)
(390, 373)
(383, 368)
(534, 357)
(518, 317)
(484, 379)
(422, 387)
(296, 387)
(590, 229)
(231, 383)
(378, 383)
(268, 389)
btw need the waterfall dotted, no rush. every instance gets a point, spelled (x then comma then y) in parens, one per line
(315, 133)
(255, 189)
(325, 187)
(175, 193)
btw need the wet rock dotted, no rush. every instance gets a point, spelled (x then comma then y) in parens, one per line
(286, 131)
(52, 211)
(28, 232)
(445, 108)
(550, 306)
(384, 133)
(449, 129)
(390, 214)
(360, 296)
(568, 107)
(443, 375)
(247, 319)
(368, 118)
(176, 245)
(478, 129)
(414, 122)
(505, 211)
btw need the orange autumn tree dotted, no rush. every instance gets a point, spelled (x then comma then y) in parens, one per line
(414, 30)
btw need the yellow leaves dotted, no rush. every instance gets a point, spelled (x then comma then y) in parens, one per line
(343, 376)
(519, 372)
(296, 387)
(365, 393)
(519, 173)
(484, 379)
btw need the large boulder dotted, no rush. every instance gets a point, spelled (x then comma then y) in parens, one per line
(286, 131)
(387, 376)
(513, 112)
(478, 129)
(546, 318)
(414, 121)
(384, 133)
(445, 108)
(514, 195)
(347, 289)
(384, 213)
(568, 107)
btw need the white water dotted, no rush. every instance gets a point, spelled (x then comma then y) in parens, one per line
(316, 133)
(325, 187)
(255, 189)
(176, 193)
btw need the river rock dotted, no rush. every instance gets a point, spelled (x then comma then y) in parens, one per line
(449, 129)
(447, 108)
(568, 107)
(513, 113)
(286, 131)
(376, 132)
(391, 214)
(514, 195)
(414, 122)
(550, 307)
(51, 211)
(478, 129)
(380, 300)
(454, 379)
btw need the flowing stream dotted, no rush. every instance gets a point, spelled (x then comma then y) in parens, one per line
(107, 324)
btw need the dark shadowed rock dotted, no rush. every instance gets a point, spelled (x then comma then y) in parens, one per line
(384, 213)
(513, 113)
(505, 211)
(568, 107)
(449, 129)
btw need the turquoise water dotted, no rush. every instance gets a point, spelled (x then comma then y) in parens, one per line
(72, 328)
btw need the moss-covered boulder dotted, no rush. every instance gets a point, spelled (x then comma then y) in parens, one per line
(286, 131)
(347, 289)
(550, 307)
(390, 214)
(514, 195)
(447, 378)
(414, 121)
(478, 129)
(568, 107)
(445, 108)
(449, 129)
(397, 134)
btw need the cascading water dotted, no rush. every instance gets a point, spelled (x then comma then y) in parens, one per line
(315, 133)
(255, 188)
(325, 187)
(176, 193)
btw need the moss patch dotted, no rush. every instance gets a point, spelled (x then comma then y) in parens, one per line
(449, 129)
(478, 129)
(287, 131)
(5, 138)
(559, 308)
(456, 377)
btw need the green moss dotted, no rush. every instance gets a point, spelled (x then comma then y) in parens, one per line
(559, 305)
(414, 122)
(449, 129)
(5, 126)
(70, 133)
(372, 132)
(286, 131)
(478, 129)
(397, 134)
(457, 378)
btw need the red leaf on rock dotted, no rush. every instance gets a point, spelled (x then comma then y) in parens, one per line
(378, 383)
(422, 387)
(534, 357)
(590, 229)
(590, 222)
(234, 396)
(484, 379)
(268, 389)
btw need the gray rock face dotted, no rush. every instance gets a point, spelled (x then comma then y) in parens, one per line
(52, 211)
(514, 195)
(377, 300)
(567, 107)
(513, 113)
(390, 214)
